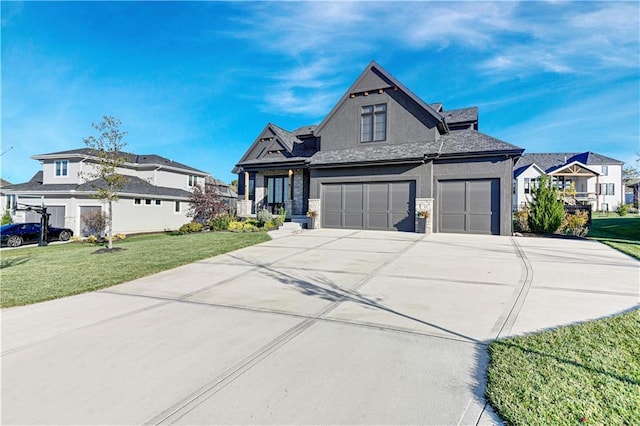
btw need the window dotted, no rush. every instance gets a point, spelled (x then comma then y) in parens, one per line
(527, 185)
(147, 202)
(137, 201)
(193, 180)
(373, 123)
(177, 207)
(158, 202)
(605, 170)
(62, 167)
(604, 207)
(607, 189)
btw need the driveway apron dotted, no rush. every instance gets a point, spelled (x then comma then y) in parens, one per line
(327, 326)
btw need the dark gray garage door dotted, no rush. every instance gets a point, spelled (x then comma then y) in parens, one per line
(469, 206)
(372, 205)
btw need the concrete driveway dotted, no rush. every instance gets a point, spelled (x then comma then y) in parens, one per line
(328, 326)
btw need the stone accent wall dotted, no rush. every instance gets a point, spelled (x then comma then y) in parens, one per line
(260, 191)
(425, 204)
(298, 192)
(314, 205)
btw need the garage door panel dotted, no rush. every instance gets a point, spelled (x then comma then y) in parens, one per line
(470, 206)
(454, 202)
(353, 220)
(353, 198)
(452, 222)
(378, 197)
(402, 196)
(378, 220)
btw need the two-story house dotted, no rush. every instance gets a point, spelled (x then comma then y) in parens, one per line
(155, 195)
(378, 158)
(597, 179)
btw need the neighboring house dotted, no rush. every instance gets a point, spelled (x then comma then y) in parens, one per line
(155, 195)
(3, 199)
(379, 157)
(633, 193)
(597, 179)
(228, 194)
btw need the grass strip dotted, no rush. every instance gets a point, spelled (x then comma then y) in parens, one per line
(35, 274)
(581, 374)
(621, 233)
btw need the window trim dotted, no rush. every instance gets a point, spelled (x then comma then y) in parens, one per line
(605, 170)
(177, 207)
(61, 168)
(371, 129)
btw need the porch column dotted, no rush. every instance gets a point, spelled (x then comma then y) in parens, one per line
(288, 202)
(246, 186)
(597, 192)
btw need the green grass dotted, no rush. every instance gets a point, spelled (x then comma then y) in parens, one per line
(621, 233)
(35, 274)
(587, 373)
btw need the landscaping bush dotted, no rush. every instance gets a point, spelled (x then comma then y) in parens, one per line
(270, 226)
(249, 227)
(6, 218)
(263, 216)
(622, 209)
(546, 210)
(521, 220)
(235, 226)
(191, 227)
(221, 222)
(94, 223)
(576, 223)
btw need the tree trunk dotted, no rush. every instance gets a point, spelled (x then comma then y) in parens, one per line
(110, 222)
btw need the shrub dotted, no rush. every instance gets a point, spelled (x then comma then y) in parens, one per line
(546, 210)
(191, 227)
(622, 209)
(235, 226)
(92, 239)
(576, 223)
(221, 222)
(94, 223)
(269, 226)
(263, 216)
(6, 218)
(249, 227)
(521, 220)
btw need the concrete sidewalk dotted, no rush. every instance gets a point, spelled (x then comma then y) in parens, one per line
(326, 326)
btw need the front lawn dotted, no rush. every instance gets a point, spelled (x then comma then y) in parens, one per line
(619, 232)
(35, 274)
(582, 374)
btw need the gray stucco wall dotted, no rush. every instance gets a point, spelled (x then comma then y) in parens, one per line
(403, 122)
(494, 167)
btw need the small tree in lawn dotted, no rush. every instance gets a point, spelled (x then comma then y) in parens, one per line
(106, 147)
(546, 210)
(204, 205)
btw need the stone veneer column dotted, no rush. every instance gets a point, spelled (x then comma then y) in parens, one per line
(425, 204)
(244, 208)
(314, 205)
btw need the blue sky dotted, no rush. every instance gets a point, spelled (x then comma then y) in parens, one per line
(197, 81)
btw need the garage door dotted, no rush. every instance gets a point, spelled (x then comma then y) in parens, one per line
(372, 205)
(56, 216)
(469, 206)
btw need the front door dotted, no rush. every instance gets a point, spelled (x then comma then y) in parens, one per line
(278, 192)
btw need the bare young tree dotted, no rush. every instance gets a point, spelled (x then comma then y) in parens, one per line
(106, 147)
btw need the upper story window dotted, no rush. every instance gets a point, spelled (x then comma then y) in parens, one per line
(62, 168)
(373, 123)
(605, 170)
(193, 180)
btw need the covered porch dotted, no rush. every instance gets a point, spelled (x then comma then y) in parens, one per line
(572, 182)
(274, 190)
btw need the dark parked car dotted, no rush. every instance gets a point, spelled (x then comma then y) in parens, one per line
(16, 234)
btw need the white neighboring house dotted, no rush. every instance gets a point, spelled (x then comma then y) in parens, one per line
(155, 195)
(597, 179)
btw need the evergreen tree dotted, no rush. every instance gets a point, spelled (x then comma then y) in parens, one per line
(546, 210)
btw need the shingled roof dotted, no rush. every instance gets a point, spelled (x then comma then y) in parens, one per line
(552, 160)
(131, 158)
(132, 186)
